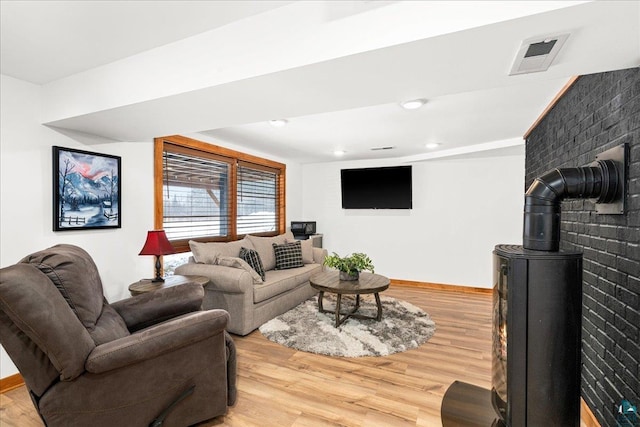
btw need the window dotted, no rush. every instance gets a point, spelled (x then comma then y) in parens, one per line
(256, 199)
(194, 195)
(208, 193)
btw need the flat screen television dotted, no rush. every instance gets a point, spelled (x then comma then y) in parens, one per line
(377, 188)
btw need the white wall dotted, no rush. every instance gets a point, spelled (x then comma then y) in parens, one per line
(26, 200)
(461, 210)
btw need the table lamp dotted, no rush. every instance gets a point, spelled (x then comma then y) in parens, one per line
(157, 244)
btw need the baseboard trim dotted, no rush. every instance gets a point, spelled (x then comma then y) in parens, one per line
(441, 287)
(586, 415)
(11, 382)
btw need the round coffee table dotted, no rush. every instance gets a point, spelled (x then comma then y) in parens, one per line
(368, 283)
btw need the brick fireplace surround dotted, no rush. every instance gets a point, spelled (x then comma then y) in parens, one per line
(598, 112)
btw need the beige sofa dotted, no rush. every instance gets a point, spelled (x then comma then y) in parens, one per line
(236, 287)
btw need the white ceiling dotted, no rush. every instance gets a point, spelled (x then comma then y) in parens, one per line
(47, 40)
(219, 70)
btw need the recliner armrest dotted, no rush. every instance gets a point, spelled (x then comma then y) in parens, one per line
(147, 309)
(157, 340)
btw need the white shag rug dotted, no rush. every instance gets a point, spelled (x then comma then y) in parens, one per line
(403, 327)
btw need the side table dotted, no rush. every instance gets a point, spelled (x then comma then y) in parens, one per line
(146, 285)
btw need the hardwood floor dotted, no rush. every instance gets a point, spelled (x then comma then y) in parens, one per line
(283, 387)
(278, 386)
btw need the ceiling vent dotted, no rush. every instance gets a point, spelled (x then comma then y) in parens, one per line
(383, 148)
(536, 54)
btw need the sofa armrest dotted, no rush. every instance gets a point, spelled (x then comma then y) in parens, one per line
(221, 278)
(319, 254)
(147, 309)
(157, 340)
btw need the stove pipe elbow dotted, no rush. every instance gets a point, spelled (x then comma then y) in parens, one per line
(543, 198)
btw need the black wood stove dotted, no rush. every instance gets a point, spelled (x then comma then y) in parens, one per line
(536, 337)
(537, 303)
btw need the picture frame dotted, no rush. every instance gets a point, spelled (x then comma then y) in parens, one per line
(86, 190)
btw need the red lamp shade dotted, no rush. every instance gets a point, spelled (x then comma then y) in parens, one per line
(157, 244)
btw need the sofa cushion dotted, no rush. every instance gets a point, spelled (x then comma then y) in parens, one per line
(207, 253)
(264, 246)
(235, 262)
(252, 258)
(288, 255)
(282, 281)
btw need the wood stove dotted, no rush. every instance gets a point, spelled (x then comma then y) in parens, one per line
(537, 303)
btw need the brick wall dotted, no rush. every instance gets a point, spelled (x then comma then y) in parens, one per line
(598, 112)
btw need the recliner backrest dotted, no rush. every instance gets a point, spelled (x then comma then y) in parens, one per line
(75, 275)
(72, 270)
(43, 332)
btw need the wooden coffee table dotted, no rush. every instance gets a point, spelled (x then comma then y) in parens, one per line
(368, 283)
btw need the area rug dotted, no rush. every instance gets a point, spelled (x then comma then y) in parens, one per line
(403, 327)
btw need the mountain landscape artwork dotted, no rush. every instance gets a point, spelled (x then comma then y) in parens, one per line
(86, 190)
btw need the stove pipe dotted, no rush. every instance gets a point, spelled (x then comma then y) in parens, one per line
(599, 181)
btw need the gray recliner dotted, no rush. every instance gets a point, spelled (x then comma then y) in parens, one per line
(154, 359)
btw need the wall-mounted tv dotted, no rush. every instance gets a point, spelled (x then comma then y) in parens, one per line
(377, 188)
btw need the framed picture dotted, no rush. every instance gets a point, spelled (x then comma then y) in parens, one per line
(86, 190)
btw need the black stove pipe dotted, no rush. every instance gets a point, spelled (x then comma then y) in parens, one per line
(543, 198)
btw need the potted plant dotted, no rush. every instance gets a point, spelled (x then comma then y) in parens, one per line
(349, 266)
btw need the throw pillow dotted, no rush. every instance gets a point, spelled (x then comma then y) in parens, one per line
(288, 255)
(207, 252)
(253, 259)
(264, 247)
(204, 253)
(230, 261)
(307, 249)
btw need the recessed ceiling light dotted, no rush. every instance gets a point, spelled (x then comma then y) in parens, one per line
(413, 104)
(278, 123)
(432, 145)
(339, 153)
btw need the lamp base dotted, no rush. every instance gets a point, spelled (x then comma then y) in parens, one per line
(158, 268)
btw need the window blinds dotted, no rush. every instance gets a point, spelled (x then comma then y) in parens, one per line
(208, 196)
(195, 194)
(257, 196)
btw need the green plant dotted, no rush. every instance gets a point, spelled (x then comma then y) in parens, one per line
(352, 264)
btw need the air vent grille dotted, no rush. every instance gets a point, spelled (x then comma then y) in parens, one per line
(542, 48)
(536, 54)
(383, 148)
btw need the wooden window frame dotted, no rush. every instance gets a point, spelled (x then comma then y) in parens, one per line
(236, 158)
